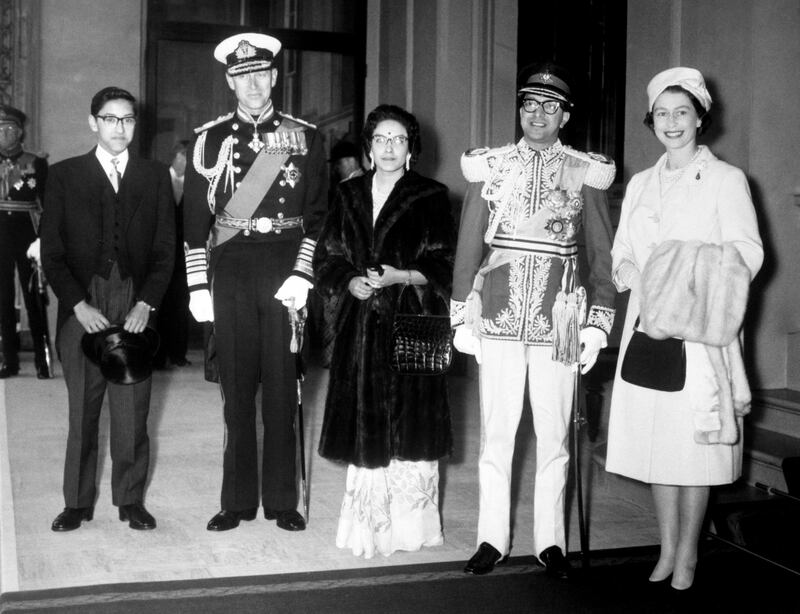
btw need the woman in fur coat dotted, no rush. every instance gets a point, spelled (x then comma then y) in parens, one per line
(388, 232)
(690, 212)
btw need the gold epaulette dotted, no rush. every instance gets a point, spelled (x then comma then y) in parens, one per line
(601, 171)
(476, 163)
(213, 122)
(294, 119)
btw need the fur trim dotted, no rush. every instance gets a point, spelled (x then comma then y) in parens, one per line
(695, 291)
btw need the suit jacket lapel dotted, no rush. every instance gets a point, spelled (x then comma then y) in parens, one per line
(130, 189)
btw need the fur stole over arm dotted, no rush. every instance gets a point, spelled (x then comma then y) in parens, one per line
(698, 292)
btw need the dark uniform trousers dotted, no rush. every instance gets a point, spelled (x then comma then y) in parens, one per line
(22, 178)
(128, 409)
(16, 234)
(252, 336)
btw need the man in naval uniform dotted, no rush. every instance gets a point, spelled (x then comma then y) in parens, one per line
(519, 307)
(22, 179)
(256, 179)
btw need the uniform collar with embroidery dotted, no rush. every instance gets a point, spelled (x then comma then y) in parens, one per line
(547, 154)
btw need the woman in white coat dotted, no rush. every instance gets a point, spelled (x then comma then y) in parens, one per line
(688, 195)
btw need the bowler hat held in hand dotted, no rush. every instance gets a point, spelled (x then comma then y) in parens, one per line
(123, 357)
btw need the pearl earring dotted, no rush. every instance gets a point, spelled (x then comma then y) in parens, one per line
(408, 162)
(372, 162)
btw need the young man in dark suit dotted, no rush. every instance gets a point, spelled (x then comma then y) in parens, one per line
(108, 242)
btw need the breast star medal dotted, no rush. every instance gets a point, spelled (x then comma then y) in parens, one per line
(291, 174)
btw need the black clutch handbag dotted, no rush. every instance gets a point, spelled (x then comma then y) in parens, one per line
(421, 344)
(658, 364)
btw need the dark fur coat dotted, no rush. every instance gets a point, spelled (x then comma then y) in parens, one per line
(373, 414)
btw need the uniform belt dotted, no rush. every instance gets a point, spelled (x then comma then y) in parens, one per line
(263, 225)
(536, 246)
(19, 205)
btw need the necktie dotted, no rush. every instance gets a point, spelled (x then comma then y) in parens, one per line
(116, 177)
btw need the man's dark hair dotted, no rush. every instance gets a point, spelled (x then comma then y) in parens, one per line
(702, 114)
(111, 93)
(390, 111)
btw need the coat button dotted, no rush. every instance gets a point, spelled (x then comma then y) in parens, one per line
(281, 200)
(236, 155)
(235, 126)
(281, 183)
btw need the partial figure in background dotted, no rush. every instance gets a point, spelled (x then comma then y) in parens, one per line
(684, 221)
(22, 181)
(519, 305)
(173, 318)
(388, 231)
(256, 182)
(107, 250)
(345, 161)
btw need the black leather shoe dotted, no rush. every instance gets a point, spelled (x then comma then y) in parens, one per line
(226, 520)
(7, 370)
(555, 562)
(71, 518)
(484, 560)
(138, 518)
(288, 520)
(43, 372)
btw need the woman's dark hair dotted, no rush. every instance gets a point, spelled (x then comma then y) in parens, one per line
(389, 111)
(702, 114)
(111, 93)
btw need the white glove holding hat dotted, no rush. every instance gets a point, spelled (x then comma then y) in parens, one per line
(294, 292)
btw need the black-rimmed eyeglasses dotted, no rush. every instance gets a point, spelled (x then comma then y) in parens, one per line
(550, 106)
(112, 121)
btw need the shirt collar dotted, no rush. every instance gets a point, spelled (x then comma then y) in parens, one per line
(105, 160)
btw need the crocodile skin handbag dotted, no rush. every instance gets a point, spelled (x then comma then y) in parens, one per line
(421, 344)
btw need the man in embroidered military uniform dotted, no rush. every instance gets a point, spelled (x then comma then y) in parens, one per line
(519, 307)
(22, 179)
(256, 179)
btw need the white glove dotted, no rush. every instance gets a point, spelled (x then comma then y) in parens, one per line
(294, 292)
(467, 343)
(593, 340)
(201, 306)
(34, 251)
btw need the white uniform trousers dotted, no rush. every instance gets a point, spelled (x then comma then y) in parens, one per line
(550, 389)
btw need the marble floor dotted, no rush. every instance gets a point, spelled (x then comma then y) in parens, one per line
(186, 432)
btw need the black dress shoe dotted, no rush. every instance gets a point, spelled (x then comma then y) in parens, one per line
(553, 559)
(138, 518)
(288, 520)
(43, 372)
(226, 520)
(484, 560)
(7, 370)
(180, 362)
(71, 518)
